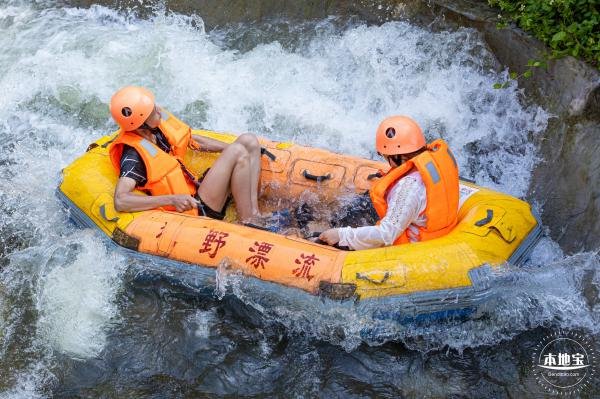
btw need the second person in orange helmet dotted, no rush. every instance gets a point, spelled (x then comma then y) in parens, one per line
(148, 154)
(416, 200)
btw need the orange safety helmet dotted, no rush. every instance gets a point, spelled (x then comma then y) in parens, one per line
(399, 135)
(131, 106)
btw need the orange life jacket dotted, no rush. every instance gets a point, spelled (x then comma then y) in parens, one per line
(439, 171)
(165, 172)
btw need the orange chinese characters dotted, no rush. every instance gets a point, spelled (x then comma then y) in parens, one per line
(260, 257)
(213, 242)
(306, 262)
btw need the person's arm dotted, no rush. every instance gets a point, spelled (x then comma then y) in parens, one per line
(406, 201)
(128, 201)
(208, 144)
(133, 174)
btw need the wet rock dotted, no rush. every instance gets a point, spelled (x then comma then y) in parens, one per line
(567, 183)
(217, 12)
(590, 290)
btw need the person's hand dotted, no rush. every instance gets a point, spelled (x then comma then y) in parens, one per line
(331, 236)
(183, 202)
(413, 234)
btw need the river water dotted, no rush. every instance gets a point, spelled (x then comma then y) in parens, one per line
(81, 318)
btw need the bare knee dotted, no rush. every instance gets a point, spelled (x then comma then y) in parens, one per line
(249, 141)
(238, 151)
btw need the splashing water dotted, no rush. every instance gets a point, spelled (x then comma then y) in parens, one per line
(73, 320)
(66, 301)
(523, 299)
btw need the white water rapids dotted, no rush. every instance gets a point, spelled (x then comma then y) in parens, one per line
(61, 288)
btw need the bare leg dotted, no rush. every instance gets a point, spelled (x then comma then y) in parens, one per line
(232, 168)
(250, 142)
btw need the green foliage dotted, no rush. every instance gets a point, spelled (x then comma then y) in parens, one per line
(568, 27)
(531, 66)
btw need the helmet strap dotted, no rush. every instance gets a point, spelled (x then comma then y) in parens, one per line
(397, 159)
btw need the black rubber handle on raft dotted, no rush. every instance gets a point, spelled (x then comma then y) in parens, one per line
(318, 179)
(103, 214)
(91, 147)
(269, 154)
(255, 226)
(362, 276)
(488, 218)
(316, 235)
(374, 176)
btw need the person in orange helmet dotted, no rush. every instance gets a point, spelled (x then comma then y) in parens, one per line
(148, 155)
(416, 200)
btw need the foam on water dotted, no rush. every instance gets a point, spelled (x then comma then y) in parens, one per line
(29, 382)
(60, 67)
(76, 295)
(203, 320)
(73, 278)
(75, 283)
(332, 92)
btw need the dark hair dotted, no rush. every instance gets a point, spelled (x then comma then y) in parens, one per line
(398, 157)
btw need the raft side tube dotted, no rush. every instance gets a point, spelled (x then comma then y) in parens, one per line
(417, 305)
(523, 251)
(493, 228)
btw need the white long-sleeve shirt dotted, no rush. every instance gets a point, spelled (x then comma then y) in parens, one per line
(406, 200)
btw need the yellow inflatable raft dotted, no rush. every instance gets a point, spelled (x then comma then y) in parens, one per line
(442, 275)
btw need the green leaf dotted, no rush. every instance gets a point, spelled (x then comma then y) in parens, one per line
(497, 85)
(568, 27)
(513, 75)
(558, 37)
(528, 73)
(505, 85)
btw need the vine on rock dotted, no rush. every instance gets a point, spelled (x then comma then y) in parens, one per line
(568, 27)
